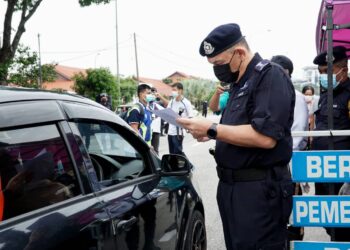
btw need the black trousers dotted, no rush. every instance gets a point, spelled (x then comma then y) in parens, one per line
(175, 144)
(255, 214)
(155, 142)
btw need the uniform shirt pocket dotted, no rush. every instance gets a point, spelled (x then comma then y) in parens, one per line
(239, 100)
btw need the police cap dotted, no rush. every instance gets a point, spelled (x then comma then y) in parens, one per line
(220, 39)
(284, 61)
(339, 53)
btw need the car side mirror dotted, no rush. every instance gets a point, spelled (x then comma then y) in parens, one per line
(175, 165)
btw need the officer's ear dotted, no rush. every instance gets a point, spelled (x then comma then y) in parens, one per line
(242, 53)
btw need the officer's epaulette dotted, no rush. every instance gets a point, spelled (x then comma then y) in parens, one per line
(262, 65)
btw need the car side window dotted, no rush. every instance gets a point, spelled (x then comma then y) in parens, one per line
(35, 170)
(114, 158)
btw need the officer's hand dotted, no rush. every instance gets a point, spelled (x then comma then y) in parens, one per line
(345, 189)
(198, 127)
(219, 90)
(203, 139)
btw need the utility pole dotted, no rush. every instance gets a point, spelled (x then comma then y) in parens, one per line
(137, 64)
(117, 49)
(40, 71)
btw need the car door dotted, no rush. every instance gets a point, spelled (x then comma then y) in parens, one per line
(46, 198)
(143, 214)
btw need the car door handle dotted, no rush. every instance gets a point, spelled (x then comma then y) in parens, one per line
(125, 225)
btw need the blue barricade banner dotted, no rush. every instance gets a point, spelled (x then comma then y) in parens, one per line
(304, 245)
(325, 211)
(321, 166)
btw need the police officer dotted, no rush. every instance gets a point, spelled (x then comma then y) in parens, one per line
(341, 106)
(253, 142)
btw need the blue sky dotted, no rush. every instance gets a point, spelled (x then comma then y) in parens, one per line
(168, 32)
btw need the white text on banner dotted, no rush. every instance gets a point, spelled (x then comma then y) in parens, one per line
(326, 211)
(321, 166)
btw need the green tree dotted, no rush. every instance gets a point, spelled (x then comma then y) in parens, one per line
(198, 90)
(24, 69)
(26, 9)
(128, 88)
(95, 82)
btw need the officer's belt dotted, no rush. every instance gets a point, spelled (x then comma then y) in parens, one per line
(230, 175)
(239, 175)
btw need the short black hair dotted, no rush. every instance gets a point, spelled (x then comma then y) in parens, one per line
(141, 88)
(178, 85)
(285, 62)
(308, 87)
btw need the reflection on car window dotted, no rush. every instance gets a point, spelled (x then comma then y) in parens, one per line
(35, 170)
(100, 138)
(115, 160)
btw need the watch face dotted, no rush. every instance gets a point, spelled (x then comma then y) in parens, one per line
(212, 131)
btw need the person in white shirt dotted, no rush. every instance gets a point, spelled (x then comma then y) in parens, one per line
(183, 107)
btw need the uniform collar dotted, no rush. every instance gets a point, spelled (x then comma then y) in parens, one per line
(250, 69)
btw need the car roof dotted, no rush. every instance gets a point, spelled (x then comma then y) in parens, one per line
(41, 102)
(10, 94)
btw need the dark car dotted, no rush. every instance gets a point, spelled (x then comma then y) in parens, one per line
(74, 175)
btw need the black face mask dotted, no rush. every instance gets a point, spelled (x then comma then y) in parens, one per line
(224, 74)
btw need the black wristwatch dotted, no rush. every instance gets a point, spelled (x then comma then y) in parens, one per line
(212, 132)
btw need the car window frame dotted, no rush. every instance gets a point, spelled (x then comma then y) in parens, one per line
(134, 140)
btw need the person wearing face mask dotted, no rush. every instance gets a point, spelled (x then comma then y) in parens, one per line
(341, 119)
(183, 107)
(253, 142)
(312, 102)
(341, 100)
(139, 117)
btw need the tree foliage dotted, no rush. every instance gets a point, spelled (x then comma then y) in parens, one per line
(198, 90)
(95, 82)
(10, 41)
(24, 69)
(10, 44)
(128, 88)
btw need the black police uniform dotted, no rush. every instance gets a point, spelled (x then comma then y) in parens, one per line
(255, 189)
(341, 121)
(341, 105)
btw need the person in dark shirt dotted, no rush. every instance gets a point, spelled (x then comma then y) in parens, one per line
(139, 117)
(253, 142)
(104, 100)
(341, 118)
(205, 108)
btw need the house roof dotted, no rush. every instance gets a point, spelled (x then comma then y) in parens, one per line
(181, 75)
(59, 84)
(64, 79)
(67, 73)
(161, 87)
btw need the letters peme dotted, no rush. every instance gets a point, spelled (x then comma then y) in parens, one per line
(321, 211)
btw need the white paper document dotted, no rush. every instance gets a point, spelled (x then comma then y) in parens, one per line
(167, 115)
